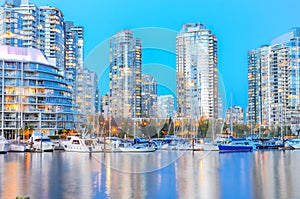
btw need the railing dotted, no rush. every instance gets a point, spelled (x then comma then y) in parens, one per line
(49, 118)
(31, 118)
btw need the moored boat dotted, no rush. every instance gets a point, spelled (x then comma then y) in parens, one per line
(16, 146)
(3, 145)
(77, 144)
(137, 149)
(273, 143)
(236, 146)
(295, 145)
(40, 142)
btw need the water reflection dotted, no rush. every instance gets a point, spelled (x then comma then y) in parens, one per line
(163, 174)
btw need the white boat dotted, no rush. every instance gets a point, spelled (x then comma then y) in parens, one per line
(209, 146)
(77, 144)
(40, 142)
(137, 148)
(3, 145)
(16, 146)
(292, 143)
(57, 145)
(295, 144)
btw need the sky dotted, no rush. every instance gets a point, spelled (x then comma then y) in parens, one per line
(240, 25)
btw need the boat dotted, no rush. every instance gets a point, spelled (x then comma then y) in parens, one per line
(137, 148)
(16, 146)
(139, 145)
(209, 146)
(236, 146)
(77, 144)
(296, 146)
(212, 145)
(40, 142)
(293, 143)
(273, 143)
(4, 144)
(57, 145)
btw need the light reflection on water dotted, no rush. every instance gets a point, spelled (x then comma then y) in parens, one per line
(163, 174)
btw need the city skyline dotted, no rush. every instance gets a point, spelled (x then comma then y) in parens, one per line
(239, 27)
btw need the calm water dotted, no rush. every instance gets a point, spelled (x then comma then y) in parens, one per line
(163, 174)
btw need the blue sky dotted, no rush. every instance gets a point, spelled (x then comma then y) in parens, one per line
(240, 25)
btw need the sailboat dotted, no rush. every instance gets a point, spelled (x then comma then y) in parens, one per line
(140, 145)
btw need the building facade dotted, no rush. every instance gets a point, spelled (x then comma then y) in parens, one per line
(235, 115)
(125, 75)
(165, 106)
(26, 25)
(105, 106)
(149, 96)
(274, 82)
(29, 26)
(33, 93)
(197, 72)
(87, 92)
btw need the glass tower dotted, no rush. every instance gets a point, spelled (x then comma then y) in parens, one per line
(125, 75)
(274, 82)
(197, 72)
(149, 96)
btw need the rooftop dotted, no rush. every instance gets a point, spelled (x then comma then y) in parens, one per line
(22, 54)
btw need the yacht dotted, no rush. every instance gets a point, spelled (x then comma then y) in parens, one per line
(140, 145)
(77, 144)
(40, 142)
(16, 146)
(3, 145)
(236, 146)
(137, 148)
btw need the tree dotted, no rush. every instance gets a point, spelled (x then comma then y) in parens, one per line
(203, 126)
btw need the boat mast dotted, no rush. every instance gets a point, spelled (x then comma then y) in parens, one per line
(231, 108)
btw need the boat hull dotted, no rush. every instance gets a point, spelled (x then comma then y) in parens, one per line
(295, 146)
(83, 149)
(136, 150)
(16, 148)
(4, 147)
(210, 147)
(232, 148)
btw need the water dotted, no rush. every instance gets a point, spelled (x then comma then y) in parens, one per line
(163, 174)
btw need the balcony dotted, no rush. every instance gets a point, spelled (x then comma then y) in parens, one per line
(31, 118)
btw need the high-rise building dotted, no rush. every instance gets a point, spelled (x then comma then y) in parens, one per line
(87, 92)
(125, 75)
(165, 106)
(33, 93)
(149, 96)
(273, 82)
(105, 106)
(197, 72)
(83, 81)
(235, 114)
(10, 27)
(26, 25)
(62, 43)
(80, 44)
(54, 39)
